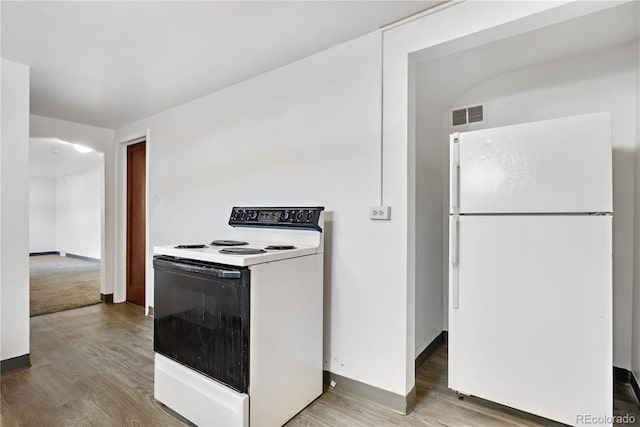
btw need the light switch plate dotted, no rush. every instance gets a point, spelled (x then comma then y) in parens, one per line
(380, 212)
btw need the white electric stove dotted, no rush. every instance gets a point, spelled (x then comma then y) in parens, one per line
(238, 321)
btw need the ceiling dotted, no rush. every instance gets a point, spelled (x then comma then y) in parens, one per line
(111, 63)
(52, 158)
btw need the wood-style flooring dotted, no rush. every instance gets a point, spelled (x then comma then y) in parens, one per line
(93, 366)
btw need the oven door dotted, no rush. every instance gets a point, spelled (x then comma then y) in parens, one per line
(201, 318)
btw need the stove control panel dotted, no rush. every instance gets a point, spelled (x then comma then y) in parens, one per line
(290, 217)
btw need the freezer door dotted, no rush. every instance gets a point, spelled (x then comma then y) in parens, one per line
(530, 317)
(560, 165)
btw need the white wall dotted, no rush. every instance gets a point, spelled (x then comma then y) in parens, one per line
(429, 230)
(305, 134)
(14, 210)
(596, 81)
(65, 213)
(42, 215)
(78, 212)
(100, 139)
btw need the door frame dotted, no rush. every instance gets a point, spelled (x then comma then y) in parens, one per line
(120, 286)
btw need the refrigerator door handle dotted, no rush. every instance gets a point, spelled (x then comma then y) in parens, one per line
(455, 261)
(456, 189)
(455, 173)
(455, 241)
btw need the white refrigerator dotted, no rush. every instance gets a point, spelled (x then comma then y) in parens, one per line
(530, 267)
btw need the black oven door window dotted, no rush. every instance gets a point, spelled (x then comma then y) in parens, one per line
(201, 318)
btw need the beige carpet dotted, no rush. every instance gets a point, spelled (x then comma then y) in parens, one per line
(62, 283)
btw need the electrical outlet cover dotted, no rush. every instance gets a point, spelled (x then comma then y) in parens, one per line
(380, 212)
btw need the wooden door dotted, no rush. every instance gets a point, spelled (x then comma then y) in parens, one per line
(136, 196)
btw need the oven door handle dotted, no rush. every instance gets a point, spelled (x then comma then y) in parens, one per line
(202, 269)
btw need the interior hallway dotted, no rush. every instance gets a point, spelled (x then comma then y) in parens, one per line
(94, 366)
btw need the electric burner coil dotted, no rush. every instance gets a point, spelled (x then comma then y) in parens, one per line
(228, 243)
(242, 251)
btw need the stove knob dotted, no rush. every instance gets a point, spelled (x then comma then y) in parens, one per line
(243, 215)
(300, 215)
(254, 215)
(310, 215)
(285, 215)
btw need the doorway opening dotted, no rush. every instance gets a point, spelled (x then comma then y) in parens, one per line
(66, 213)
(526, 77)
(565, 77)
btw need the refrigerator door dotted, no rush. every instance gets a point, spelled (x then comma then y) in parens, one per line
(552, 166)
(530, 313)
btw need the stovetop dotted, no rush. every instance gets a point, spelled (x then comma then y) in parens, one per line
(242, 251)
(249, 253)
(228, 243)
(259, 235)
(237, 247)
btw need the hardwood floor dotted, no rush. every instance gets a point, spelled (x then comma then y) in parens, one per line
(94, 366)
(436, 406)
(90, 366)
